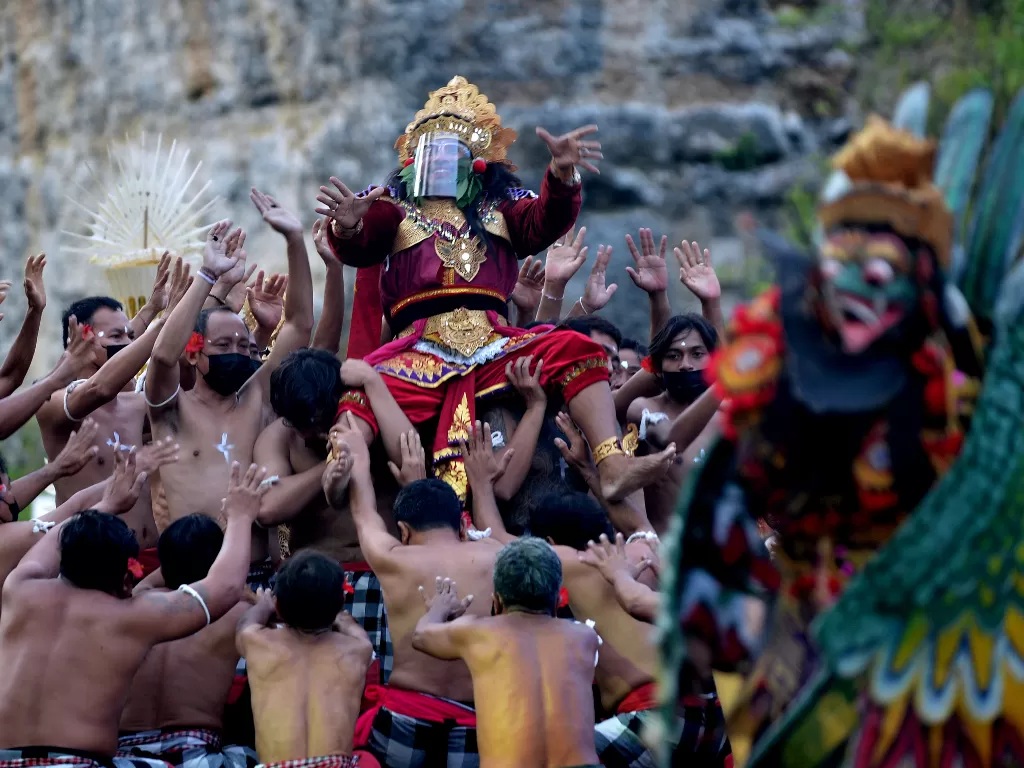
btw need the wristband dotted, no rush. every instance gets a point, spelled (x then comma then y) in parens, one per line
(550, 298)
(583, 306)
(208, 278)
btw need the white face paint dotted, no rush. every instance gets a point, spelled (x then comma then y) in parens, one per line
(116, 441)
(225, 447)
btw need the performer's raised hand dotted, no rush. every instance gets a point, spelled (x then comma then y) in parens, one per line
(696, 272)
(322, 246)
(223, 249)
(35, 292)
(564, 258)
(444, 602)
(78, 451)
(571, 149)
(266, 299)
(596, 295)
(281, 219)
(125, 484)
(529, 287)
(158, 294)
(414, 462)
(651, 273)
(179, 284)
(5, 287)
(343, 206)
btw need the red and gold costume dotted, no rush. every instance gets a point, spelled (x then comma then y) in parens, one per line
(444, 290)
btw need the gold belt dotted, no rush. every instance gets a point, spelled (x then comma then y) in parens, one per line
(461, 330)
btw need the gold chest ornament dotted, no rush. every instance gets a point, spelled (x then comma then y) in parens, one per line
(464, 256)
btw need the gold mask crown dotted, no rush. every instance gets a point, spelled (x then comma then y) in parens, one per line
(461, 109)
(891, 175)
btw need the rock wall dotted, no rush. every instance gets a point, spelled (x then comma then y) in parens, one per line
(707, 107)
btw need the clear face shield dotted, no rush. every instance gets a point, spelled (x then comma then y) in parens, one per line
(437, 165)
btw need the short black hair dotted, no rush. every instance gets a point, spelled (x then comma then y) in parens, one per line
(570, 519)
(590, 323)
(94, 551)
(662, 341)
(636, 346)
(426, 505)
(204, 317)
(187, 549)
(528, 575)
(84, 309)
(306, 388)
(310, 591)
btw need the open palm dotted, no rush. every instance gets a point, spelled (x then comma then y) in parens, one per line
(597, 293)
(696, 272)
(651, 272)
(343, 205)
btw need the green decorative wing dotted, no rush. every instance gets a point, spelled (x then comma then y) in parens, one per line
(995, 216)
(960, 148)
(911, 113)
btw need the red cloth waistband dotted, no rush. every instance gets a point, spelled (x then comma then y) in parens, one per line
(639, 699)
(357, 567)
(422, 706)
(150, 561)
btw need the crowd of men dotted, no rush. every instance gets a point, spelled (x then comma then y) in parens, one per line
(236, 574)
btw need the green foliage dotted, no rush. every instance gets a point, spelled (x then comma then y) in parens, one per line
(791, 17)
(741, 156)
(23, 451)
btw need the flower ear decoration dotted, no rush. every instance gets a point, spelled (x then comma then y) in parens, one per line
(479, 165)
(87, 331)
(135, 569)
(195, 343)
(648, 365)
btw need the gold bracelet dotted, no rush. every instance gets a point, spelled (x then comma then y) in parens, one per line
(609, 447)
(343, 233)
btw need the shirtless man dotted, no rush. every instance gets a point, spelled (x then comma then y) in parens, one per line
(532, 672)
(104, 391)
(217, 421)
(72, 636)
(425, 716)
(679, 354)
(628, 663)
(304, 393)
(175, 710)
(308, 668)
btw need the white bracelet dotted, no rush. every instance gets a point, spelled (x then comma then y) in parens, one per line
(165, 402)
(189, 591)
(583, 306)
(646, 535)
(208, 279)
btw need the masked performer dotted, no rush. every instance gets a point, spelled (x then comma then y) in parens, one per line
(437, 248)
(842, 415)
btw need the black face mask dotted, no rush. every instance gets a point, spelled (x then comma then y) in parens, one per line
(228, 372)
(684, 386)
(113, 349)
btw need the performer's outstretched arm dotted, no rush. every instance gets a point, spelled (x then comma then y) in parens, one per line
(361, 228)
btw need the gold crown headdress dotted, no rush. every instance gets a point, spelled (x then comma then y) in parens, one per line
(890, 174)
(140, 212)
(460, 108)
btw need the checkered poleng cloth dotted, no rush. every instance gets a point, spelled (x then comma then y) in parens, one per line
(328, 761)
(186, 748)
(703, 743)
(46, 757)
(400, 741)
(366, 604)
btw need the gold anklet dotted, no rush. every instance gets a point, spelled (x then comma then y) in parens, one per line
(609, 447)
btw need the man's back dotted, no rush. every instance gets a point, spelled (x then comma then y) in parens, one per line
(306, 690)
(532, 678)
(185, 683)
(470, 565)
(629, 658)
(67, 664)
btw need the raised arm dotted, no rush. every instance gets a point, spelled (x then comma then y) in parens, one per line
(332, 317)
(535, 223)
(19, 357)
(222, 250)
(523, 443)
(638, 600)
(162, 616)
(254, 619)
(362, 227)
(391, 419)
(292, 492)
(22, 406)
(526, 296)
(77, 452)
(298, 302)
(597, 293)
(651, 276)
(442, 630)
(563, 260)
(697, 274)
(482, 468)
(353, 466)
(687, 426)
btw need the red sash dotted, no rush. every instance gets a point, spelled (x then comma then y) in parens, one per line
(149, 560)
(422, 706)
(639, 700)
